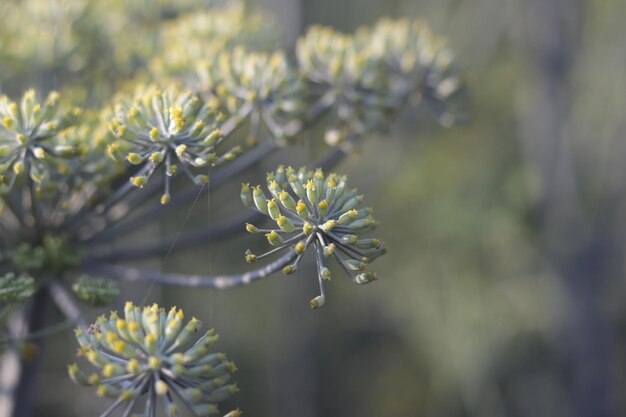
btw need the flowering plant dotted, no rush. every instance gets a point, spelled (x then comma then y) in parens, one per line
(69, 177)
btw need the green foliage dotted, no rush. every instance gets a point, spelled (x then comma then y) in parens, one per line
(16, 288)
(96, 291)
(54, 255)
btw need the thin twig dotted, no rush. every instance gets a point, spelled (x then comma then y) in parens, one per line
(195, 281)
(47, 331)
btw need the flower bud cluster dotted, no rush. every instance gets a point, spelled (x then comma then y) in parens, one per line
(169, 128)
(151, 354)
(95, 291)
(256, 85)
(315, 211)
(30, 142)
(345, 73)
(42, 34)
(197, 36)
(16, 288)
(418, 62)
(367, 77)
(92, 168)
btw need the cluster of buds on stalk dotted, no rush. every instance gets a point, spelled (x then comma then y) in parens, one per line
(169, 128)
(43, 34)
(30, 141)
(419, 64)
(149, 353)
(260, 86)
(315, 211)
(348, 76)
(366, 78)
(196, 36)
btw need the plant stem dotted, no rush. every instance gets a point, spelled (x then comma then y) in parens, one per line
(48, 331)
(193, 281)
(219, 178)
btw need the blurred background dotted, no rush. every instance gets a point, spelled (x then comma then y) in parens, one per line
(503, 292)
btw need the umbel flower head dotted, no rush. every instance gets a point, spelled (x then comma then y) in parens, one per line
(345, 73)
(418, 61)
(319, 212)
(206, 32)
(43, 34)
(29, 142)
(171, 128)
(258, 85)
(147, 354)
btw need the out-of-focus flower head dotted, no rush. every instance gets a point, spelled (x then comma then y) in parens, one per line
(38, 34)
(30, 138)
(89, 172)
(349, 78)
(258, 85)
(418, 61)
(202, 34)
(320, 212)
(151, 354)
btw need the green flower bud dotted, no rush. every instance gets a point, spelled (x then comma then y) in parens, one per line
(18, 167)
(287, 201)
(274, 238)
(273, 210)
(323, 208)
(39, 153)
(260, 201)
(134, 158)
(300, 248)
(347, 217)
(202, 179)
(289, 269)
(317, 302)
(156, 158)
(250, 257)
(285, 224)
(139, 181)
(246, 195)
